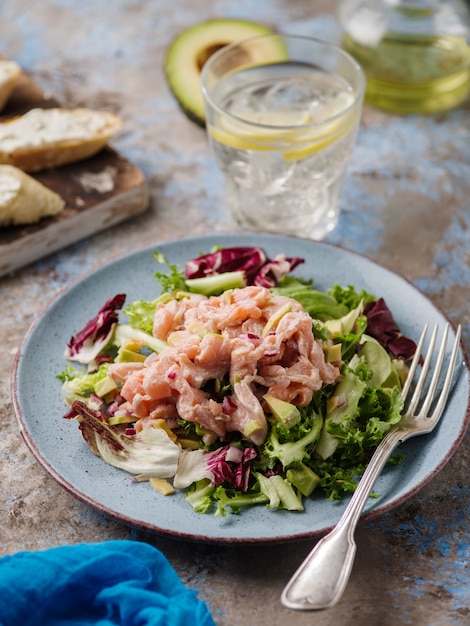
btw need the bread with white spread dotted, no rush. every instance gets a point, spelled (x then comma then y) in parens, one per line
(23, 199)
(9, 74)
(45, 138)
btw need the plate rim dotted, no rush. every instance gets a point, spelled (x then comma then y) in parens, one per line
(200, 538)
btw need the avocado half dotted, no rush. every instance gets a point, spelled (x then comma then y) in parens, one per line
(191, 48)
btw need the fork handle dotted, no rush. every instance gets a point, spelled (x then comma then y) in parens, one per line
(322, 577)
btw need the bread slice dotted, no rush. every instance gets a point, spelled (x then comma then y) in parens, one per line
(23, 199)
(9, 74)
(45, 138)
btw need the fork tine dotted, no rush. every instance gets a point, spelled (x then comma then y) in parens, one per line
(423, 374)
(436, 374)
(414, 364)
(449, 376)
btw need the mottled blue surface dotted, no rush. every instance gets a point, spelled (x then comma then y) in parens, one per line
(405, 204)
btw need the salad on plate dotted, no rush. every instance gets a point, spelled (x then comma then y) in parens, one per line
(241, 384)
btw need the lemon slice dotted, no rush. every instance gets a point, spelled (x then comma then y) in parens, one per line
(276, 118)
(296, 133)
(316, 138)
(340, 103)
(235, 141)
(276, 128)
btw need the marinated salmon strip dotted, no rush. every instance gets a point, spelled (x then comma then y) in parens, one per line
(169, 316)
(258, 342)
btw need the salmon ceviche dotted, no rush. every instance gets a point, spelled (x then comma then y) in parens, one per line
(241, 384)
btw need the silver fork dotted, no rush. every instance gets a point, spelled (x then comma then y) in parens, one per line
(322, 577)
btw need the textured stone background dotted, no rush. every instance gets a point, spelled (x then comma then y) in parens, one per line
(405, 204)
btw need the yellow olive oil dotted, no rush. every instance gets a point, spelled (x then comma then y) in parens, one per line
(414, 73)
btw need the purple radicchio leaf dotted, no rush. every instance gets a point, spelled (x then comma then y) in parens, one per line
(92, 423)
(231, 465)
(258, 268)
(382, 327)
(150, 452)
(85, 345)
(274, 270)
(248, 259)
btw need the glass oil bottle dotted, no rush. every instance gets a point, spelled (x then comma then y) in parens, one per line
(415, 53)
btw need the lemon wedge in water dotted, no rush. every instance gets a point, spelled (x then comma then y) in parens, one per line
(296, 133)
(274, 129)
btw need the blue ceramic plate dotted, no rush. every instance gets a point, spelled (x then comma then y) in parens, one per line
(60, 449)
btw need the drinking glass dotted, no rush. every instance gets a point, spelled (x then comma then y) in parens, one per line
(282, 115)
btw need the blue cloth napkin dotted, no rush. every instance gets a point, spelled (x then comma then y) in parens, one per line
(125, 583)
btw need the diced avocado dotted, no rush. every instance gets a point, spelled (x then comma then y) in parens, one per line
(284, 412)
(129, 356)
(252, 429)
(275, 318)
(345, 324)
(163, 424)
(190, 49)
(333, 353)
(105, 386)
(116, 420)
(187, 443)
(303, 478)
(162, 486)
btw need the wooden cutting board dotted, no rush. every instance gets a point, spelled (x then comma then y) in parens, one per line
(99, 192)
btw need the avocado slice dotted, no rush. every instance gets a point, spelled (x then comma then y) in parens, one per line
(284, 412)
(191, 48)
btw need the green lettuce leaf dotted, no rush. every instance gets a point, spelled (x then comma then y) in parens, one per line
(141, 314)
(319, 305)
(78, 385)
(295, 444)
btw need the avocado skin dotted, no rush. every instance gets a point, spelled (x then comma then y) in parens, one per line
(200, 41)
(190, 114)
